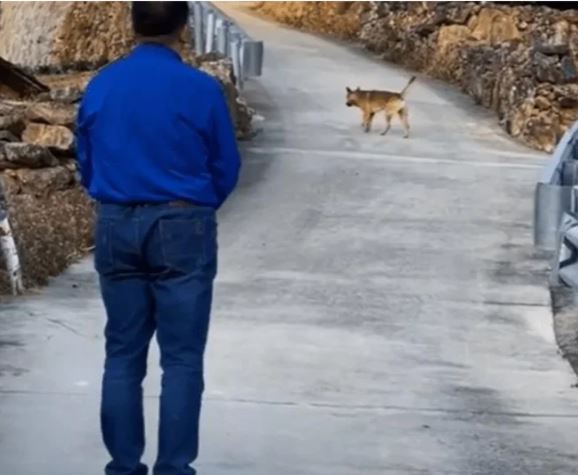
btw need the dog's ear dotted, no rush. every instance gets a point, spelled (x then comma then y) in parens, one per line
(347, 89)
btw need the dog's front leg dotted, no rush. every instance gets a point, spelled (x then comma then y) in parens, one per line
(364, 121)
(367, 119)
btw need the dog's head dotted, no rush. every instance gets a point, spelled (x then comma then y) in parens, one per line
(352, 97)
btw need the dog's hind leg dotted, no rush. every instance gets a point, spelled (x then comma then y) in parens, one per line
(388, 123)
(403, 115)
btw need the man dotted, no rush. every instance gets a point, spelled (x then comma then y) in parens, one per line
(157, 151)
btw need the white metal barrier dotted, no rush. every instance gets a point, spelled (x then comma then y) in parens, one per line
(556, 210)
(565, 268)
(553, 194)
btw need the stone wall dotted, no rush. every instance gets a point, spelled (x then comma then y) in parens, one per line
(50, 215)
(519, 61)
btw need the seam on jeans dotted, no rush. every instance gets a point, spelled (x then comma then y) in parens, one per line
(110, 250)
(163, 246)
(107, 256)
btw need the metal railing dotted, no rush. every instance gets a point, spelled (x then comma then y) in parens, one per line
(215, 32)
(565, 268)
(553, 195)
(556, 210)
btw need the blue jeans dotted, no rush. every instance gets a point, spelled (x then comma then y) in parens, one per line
(156, 265)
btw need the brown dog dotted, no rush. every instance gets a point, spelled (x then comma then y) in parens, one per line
(372, 102)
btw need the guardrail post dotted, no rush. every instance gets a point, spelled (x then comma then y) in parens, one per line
(211, 20)
(223, 37)
(236, 58)
(553, 194)
(551, 201)
(198, 26)
(252, 58)
(573, 201)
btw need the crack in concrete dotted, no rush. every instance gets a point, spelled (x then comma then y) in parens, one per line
(68, 327)
(328, 405)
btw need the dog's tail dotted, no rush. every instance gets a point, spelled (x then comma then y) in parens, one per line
(405, 89)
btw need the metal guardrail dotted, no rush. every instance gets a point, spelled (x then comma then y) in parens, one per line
(565, 268)
(556, 210)
(215, 32)
(553, 194)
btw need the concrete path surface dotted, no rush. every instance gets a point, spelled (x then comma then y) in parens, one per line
(379, 308)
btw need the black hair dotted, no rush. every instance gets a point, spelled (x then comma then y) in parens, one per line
(159, 18)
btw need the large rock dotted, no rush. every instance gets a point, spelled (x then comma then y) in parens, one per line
(62, 36)
(41, 182)
(19, 155)
(28, 30)
(68, 87)
(13, 122)
(93, 34)
(54, 137)
(54, 113)
(7, 136)
(495, 26)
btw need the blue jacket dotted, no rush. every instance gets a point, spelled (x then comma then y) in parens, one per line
(151, 129)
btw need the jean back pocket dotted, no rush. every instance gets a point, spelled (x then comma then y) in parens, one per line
(187, 244)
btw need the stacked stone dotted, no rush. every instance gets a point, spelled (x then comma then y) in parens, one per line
(50, 215)
(36, 135)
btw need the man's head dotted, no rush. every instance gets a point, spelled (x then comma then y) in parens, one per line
(159, 20)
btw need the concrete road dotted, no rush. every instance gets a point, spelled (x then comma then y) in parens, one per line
(379, 308)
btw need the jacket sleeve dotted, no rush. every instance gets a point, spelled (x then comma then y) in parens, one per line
(82, 146)
(224, 160)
